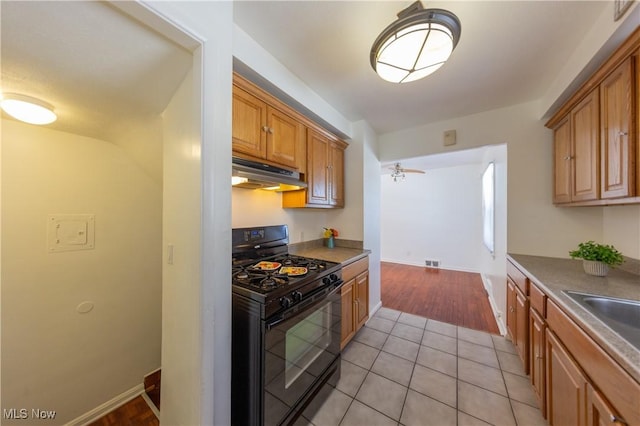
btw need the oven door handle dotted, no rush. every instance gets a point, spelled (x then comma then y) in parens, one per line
(311, 303)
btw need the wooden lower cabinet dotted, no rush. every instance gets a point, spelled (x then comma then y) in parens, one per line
(566, 401)
(517, 321)
(575, 380)
(355, 299)
(599, 411)
(348, 313)
(361, 296)
(537, 368)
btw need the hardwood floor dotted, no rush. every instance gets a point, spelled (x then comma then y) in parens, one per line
(449, 296)
(134, 413)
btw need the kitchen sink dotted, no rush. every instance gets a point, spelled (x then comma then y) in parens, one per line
(620, 315)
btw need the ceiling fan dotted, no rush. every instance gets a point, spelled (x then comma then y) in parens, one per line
(398, 173)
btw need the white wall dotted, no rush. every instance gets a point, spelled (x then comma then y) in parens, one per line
(52, 356)
(436, 215)
(261, 208)
(367, 138)
(181, 305)
(622, 229)
(200, 379)
(535, 226)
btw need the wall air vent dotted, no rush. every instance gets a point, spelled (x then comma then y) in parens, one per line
(430, 263)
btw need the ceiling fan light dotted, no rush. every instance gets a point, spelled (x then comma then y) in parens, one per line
(27, 109)
(420, 39)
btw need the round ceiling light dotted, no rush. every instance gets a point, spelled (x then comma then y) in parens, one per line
(27, 109)
(418, 43)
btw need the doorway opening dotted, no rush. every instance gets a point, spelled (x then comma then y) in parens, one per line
(434, 220)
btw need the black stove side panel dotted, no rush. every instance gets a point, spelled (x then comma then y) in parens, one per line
(247, 363)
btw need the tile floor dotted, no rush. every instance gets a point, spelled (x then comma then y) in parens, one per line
(402, 369)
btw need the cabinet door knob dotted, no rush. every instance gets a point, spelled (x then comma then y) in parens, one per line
(265, 129)
(617, 420)
(623, 134)
(271, 130)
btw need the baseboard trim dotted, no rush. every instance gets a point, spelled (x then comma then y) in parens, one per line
(446, 267)
(151, 405)
(375, 309)
(108, 406)
(488, 286)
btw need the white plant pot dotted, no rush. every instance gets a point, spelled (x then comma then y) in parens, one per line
(594, 267)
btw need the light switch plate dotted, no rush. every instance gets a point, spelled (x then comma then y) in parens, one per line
(70, 232)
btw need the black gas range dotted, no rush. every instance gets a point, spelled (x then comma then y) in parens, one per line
(286, 327)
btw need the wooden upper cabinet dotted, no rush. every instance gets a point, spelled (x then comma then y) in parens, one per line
(576, 153)
(324, 174)
(585, 135)
(249, 117)
(617, 147)
(596, 140)
(318, 168)
(261, 131)
(284, 138)
(562, 162)
(336, 174)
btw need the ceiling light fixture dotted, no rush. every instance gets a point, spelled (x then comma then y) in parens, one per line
(416, 44)
(27, 109)
(398, 172)
(398, 175)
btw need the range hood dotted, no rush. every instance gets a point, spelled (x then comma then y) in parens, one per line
(254, 175)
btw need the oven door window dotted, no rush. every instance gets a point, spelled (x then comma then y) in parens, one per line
(306, 342)
(299, 350)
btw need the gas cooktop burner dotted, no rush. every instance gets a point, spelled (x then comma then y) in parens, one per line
(257, 278)
(310, 264)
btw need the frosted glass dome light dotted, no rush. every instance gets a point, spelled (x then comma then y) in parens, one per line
(27, 109)
(418, 43)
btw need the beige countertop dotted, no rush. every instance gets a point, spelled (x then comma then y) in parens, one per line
(345, 254)
(553, 275)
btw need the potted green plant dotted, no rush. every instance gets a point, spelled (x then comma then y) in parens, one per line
(597, 258)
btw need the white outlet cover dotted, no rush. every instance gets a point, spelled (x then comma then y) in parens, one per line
(449, 137)
(70, 232)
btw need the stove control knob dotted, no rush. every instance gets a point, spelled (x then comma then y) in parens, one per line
(326, 280)
(297, 296)
(285, 302)
(333, 278)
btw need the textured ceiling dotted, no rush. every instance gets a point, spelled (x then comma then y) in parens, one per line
(100, 69)
(103, 70)
(509, 53)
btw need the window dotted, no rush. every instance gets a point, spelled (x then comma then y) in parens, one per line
(488, 186)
